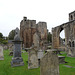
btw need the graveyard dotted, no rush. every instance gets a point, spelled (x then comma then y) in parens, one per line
(33, 52)
(6, 69)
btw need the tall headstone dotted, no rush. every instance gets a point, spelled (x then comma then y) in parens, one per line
(36, 40)
(1, 53)
(40, 55)
(32, 59)
(17, 60)
(49, 64)
(11, 50)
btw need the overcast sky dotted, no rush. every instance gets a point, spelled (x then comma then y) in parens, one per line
(54, 12)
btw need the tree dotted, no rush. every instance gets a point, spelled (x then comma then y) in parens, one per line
(11, 35)
(1, 35)
(2, 39)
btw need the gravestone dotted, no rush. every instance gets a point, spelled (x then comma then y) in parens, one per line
(17, 60)
(32, 59)
(5, 47)
(36, 40)
(11, 50)
(1, 53)
(40, 55)
(49, 64)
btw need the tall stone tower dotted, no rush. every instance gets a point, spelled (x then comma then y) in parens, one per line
(72, 16)
(28, 28)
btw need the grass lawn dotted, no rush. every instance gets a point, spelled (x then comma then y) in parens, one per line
(6, 69)
(66, 70)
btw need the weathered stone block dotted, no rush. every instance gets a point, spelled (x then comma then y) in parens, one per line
(40, 55)
(32, 59)
(49, 64)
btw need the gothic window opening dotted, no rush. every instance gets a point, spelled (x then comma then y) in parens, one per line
(71, 17)
(69, 43)
(73, 44)
(62, 37)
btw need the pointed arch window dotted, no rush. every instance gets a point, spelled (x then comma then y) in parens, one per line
(73, 44)
(70, 43)
(71, 17)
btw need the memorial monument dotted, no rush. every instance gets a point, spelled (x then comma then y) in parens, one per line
(17, 60)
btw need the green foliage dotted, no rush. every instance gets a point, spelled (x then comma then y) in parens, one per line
(1, 35)
(66, 70)
(3, 41)
(11, 35)
(6, 69)
(49, 37)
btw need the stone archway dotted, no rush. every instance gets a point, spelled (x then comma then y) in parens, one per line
(61, 40)
(69, 28)
(56, 39)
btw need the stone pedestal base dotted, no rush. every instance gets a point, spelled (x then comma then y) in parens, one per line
(18, 61)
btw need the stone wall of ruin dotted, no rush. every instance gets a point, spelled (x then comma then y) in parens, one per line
(28, 28)
(69, 29)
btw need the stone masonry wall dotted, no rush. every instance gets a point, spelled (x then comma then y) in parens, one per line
(28, 28)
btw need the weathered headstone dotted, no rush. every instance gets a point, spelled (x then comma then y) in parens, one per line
(36, 40)
(11, 50)
(32, 59)
(17, 60)
(49, 64)
(5, 47)
(40, 55)
(71, 52)
(1, 53)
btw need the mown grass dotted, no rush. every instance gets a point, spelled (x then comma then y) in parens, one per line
(67, 70)
(6, 69)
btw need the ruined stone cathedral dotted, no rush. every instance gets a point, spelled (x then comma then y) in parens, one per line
(29, 30)
(69, 29)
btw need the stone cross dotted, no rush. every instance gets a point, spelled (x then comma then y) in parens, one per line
(49, 64)
(1, 53)
(17, 60)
